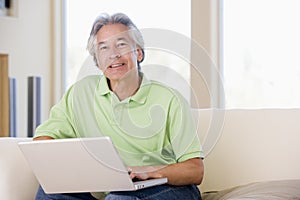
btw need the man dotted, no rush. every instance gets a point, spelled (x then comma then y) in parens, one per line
(150, 123)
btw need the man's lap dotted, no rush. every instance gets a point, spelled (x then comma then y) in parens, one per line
(162, 192)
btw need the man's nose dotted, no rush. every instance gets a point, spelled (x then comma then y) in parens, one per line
(114, 54)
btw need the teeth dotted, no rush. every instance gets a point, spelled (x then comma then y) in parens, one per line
(116, 65)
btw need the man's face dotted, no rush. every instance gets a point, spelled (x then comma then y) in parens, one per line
(116, 52)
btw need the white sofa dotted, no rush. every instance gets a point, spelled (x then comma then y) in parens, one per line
(241, 147)
(16, 178)
(254, 146)
(257, 155)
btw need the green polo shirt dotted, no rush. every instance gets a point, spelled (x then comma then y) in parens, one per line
(152, 127)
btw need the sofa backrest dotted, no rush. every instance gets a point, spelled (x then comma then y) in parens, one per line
(251, 146)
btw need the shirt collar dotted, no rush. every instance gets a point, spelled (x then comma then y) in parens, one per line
(103, 86)
(140, 96)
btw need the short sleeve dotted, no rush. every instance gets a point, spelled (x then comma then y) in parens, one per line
(183, 133)
(60, 122)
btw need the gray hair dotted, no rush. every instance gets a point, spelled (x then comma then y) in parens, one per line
(118, 18)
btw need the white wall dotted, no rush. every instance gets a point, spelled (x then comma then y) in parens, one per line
(27, 39)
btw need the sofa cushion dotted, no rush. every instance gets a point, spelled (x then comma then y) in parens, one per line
(275, 190)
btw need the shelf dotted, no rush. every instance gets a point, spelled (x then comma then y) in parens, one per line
(4, 96)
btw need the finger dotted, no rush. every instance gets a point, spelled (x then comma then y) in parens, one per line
(132, 175)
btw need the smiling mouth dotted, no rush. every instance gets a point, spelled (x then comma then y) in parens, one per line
(116, 65)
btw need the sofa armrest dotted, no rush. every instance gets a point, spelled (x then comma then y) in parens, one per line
(16, 178)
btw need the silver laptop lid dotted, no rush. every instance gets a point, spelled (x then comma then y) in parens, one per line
(77, 165)
(80, 165)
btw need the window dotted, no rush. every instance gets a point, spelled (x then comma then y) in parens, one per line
(261, 53)
(148, 14)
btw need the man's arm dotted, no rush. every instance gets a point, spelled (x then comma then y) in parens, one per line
(184, 173)
(43, 138)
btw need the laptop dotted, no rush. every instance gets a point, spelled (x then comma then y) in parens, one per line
(80, 165)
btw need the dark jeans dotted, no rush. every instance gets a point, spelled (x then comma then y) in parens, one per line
(162, 192)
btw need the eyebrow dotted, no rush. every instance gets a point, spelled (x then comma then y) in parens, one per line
(119, 39)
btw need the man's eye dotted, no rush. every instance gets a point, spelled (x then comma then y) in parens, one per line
(102, 48)
(122, 44)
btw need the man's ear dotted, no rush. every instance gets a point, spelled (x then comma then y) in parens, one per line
(140, 55)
